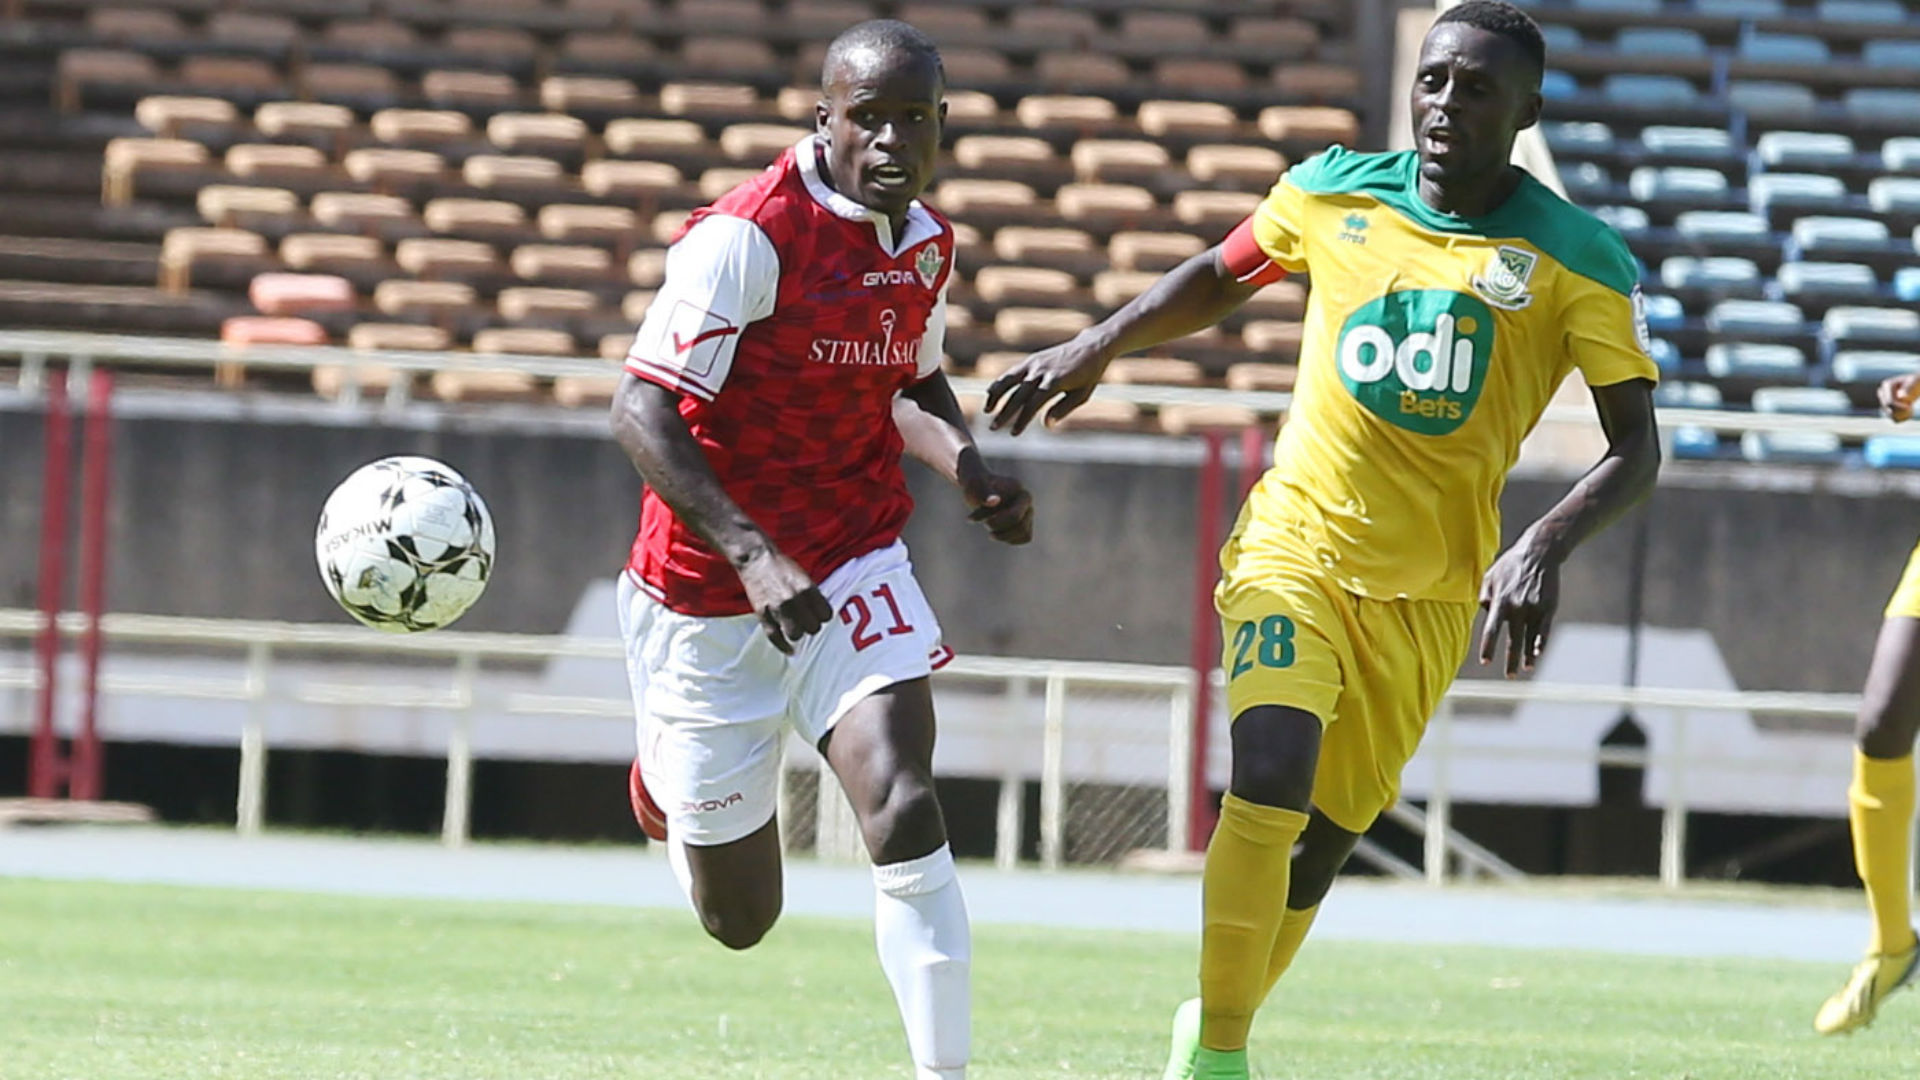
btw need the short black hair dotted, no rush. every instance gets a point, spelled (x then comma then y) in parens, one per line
(1502, 18)
(883, 36)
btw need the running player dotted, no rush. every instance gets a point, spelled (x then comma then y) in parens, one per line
(793, 349)
(1880, 801)
(1452, 293)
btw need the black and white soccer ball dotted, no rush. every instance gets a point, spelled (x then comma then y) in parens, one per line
(405, 544)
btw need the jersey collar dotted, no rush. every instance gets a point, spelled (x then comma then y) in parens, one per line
(921, 225)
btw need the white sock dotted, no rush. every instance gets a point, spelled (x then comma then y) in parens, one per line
(926, 949)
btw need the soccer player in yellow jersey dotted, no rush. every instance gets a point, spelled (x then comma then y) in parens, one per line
(1452, 293)
(1880, 800)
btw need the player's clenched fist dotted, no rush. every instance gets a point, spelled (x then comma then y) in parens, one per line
(1069, 370)
(1897, 396)
(788, 603)
(1002, 504)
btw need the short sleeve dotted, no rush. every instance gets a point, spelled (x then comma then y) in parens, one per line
(933, 341)
(721, 276)
(1279, 226)
(1606, 333)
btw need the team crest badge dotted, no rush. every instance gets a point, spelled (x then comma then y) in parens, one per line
(1504, 282)
(928, 264)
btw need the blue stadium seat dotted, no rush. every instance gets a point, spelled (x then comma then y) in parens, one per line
(1665, 312)
(1797, 447)
(1700, 144)
(1691, 441)
(1638, 7)
(1804, 150)
(1579, 137)
(1890, 12)
(1820, 400)
(1755, 360)
(1906, 282)
(1770, 99)
(1893, 451)
(1660, 41)
(1886, 106)
(1849, 324)
(1800, 190)
(1783, 49)
(1721, 225)
(1718, 273)
(1586, 182)
(1666, 355)
(1741, 9)
(1561, 39)
(1677, 183)
(1759, 317)
(1649, 91)
(1828, 281)
(1818, 233)
(1891, 53)
(1558, 85)
(1628, 220)
(1901, 154)
(1687, 395)
(1894, 195)
(1870, 366)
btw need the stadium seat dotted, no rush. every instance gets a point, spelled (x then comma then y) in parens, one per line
(426, 257)
(1586, 182)
(1152, 251)
(1112, 288)
(604, 54)
(1722, 275)
(420, 127)
(965, 108)
(1676, 184)
(1314, 125)
(1868, 367)
(1027, 328)
(1687, 143)
(1894, 195)
(1821, 400)
(1629, 220)
(1055, 112)
(1155, 371)
(277, 293)
(1104, 205)
(1009, 156)
(582, 93)
(244, 207)
(1884, 12)
(243, 330)
(614, 224)
(1772, 100)
(473, 89)
(562, 263)
(1791, 150)
(1796, 190)
(1222, 78)
(333, 252)
(1198, 119)
(521, 303)
(717, 182)
(1248, 167)
(1659, 41)
(978, 67)
(1741, 9)
(1757, 317)
(1561, 39)
(360, 85)
(1193, 419)
(585, 391)
(167, 115)
(1893, 451)
(512, 172)
(278, 163)
(707, 99)
(1721, 225)
(1673, 394)
(1285, 300)
(632, 180)
(422, 299)
(1579, 137)
(758, 144)
(1080, 72)
(1214, 211)
(1802, 447)
(1770, 48)
(1830, 234)
(1665, 354)
(303, 120)
(1028, 285)
(498, 46)
(1257, 376)
(970, 198)
(1634, 7)
(473, 217)
(524, 340)
(243, 76)
(1827, 281)
(1906, 284)
(1693, 442)
(357, 210)
(1103, 414)
(1278, 338)
(1901, 154)
(1877, 104)
(1558, 85)
(1119, 160)
(1849, 324)
(387, 170)
(355, 36)
(136, 26)
(647, 268)
(1663, 312)
(1071, 250)
(537, 133)
(1755, 360)
(183, 251)
(1648, 91)
(1888, 53)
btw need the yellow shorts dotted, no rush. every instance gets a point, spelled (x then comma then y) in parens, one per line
(1906, 595)
(1373, 671)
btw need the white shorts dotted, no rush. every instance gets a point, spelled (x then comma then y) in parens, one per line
(714, 699)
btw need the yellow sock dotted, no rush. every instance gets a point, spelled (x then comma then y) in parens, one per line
(1243, 892)
(1880, 808)
(1286, 944)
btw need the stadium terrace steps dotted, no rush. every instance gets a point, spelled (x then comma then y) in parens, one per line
(135, 309)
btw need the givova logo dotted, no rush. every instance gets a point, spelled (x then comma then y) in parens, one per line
(1418, 358)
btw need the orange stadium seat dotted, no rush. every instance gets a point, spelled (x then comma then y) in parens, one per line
(615, 224)
(423, 299)
(1194, 418)
(1255, 376)
(432, 257)
(230, 205)
(128, 159)
(334, 252)
(270, 330)
(277, 293)
(1317, 125)
(277, 162)
(1004, 153)
(523, 303)
(1119, 160)
(184, 251)
(420, 127)
(399, 337)
(167, 115)
(638, 181)
(1104, 205)
(758, 144)
(473, 218)
(1245, 167)
(577, 93)
(1030, 285)
(1214, 211)
(303, 120)
(512, 172)
(562, 263)
(359, 210)
(796, 103)
(1152, 251)
(1029, 328)
(525, 340)
(1059, 112)
(965, 198)
(1188, 119)
(537, 133)
(642, 137)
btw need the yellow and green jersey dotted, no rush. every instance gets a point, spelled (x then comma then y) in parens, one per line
(1432, 344)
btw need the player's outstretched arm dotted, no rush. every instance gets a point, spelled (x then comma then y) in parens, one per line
(647, 424)
(1897, 396)
(1522, 589)
(1192, 296)
(935, 431)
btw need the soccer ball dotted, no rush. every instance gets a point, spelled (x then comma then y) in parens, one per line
(405, 544)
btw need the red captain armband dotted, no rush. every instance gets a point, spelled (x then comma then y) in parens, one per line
(1244, 259)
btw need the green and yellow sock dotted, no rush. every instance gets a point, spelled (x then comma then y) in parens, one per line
(1880, 807)
(1220, 1064)
(1243, 890)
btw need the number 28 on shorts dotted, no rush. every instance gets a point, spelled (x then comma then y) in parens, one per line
(1266, 643)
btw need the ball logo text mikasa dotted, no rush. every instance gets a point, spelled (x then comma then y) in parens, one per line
(1418, 358)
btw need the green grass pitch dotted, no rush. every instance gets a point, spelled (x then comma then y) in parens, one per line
(110, 982)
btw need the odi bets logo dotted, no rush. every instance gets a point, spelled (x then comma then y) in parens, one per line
(1418, 358)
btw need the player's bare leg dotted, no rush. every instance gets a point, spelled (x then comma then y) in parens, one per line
(735, 887)
(882, 751)
(1881, 807)
(1248, 870)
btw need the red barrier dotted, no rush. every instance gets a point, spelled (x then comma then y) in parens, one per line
(83, 779)
(1206, 642)
(46, 768)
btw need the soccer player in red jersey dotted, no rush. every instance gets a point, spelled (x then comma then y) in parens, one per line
(791, 355)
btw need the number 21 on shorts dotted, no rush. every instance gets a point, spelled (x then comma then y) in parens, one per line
(858, 613)
(1267, 643)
